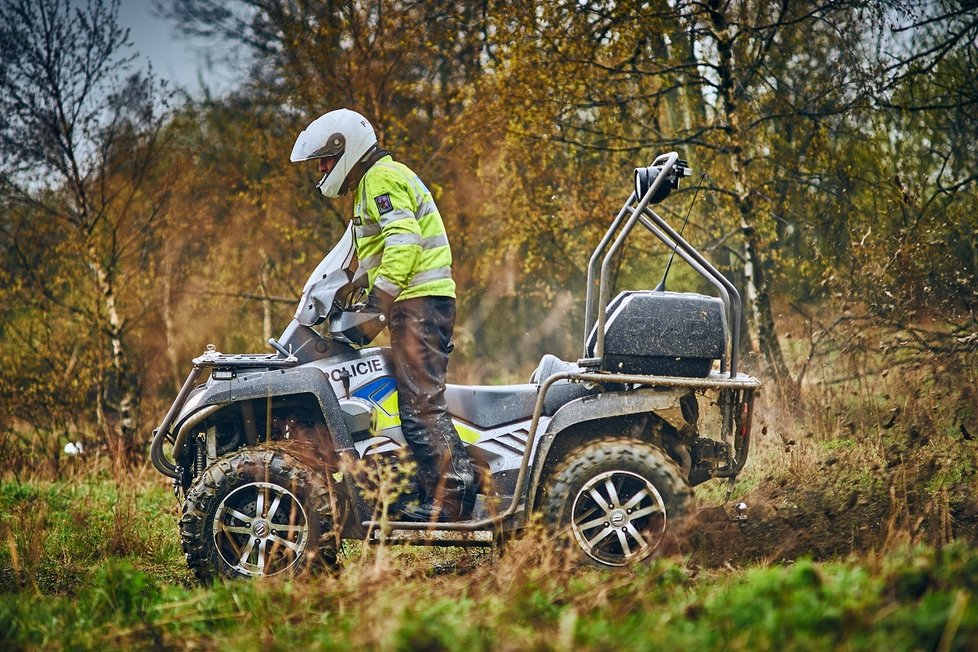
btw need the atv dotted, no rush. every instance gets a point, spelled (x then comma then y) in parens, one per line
(280, 457)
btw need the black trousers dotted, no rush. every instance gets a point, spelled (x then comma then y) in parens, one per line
(421, 333)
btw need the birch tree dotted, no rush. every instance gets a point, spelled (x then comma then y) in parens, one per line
(79, 134)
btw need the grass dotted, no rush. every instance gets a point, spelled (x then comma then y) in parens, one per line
(54, 532)
(98, 565)
(911, 598)
(861, 536)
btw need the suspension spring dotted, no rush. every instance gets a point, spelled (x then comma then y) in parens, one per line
(200, 459)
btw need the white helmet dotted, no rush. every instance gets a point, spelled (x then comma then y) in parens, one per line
(343, 135)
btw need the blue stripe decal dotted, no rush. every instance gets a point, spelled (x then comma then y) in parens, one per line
(377, 390)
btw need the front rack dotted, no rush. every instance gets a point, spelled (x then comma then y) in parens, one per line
(219, 362)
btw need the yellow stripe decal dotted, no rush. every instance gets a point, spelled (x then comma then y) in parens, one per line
(466, 433)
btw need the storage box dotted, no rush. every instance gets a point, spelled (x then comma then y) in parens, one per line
(663, 334)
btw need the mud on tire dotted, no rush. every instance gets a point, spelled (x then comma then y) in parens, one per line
(257, 512)
(614, 501)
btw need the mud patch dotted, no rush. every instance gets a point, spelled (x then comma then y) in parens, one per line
(842, 507)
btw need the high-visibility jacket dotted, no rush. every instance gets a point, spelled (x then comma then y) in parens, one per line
(400, 236)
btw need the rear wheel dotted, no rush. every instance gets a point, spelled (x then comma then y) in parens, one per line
(614, 500)
(257, 513)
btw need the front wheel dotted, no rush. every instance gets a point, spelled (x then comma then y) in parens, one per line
(256, 513)
(615, 499)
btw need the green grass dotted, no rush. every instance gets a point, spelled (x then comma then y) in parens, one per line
(60, 531)
(87, 586)
(911, 599)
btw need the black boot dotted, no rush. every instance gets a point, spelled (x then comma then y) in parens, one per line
(427, 512)
(448, 505)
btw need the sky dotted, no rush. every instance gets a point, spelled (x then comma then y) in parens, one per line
(176, 58)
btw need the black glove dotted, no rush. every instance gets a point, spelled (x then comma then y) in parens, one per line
(371, 318)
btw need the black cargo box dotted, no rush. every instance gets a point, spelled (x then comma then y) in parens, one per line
(663, 334)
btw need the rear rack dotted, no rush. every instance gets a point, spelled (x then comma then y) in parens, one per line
(637, 211)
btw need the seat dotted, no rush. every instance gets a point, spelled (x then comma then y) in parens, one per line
(490, 406)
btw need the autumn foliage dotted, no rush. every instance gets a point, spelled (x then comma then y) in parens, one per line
(832, 144)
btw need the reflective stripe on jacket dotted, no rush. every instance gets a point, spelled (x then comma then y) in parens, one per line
(401, 240)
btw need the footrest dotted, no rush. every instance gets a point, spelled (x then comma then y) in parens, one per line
(396, 533)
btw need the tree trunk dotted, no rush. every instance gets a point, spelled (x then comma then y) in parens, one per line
(762, 330)
(171, 351)
(266, 304)
(120, 388)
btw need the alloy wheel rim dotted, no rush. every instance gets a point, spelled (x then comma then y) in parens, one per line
(261, 529)
(618, 517)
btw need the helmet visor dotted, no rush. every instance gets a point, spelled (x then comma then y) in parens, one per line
(333, 146)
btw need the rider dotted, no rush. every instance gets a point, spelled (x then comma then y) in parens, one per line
(402, 245)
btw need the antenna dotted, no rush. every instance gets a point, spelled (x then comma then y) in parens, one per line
(661, 287)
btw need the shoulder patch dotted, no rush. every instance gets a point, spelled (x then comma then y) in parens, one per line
(384, 204)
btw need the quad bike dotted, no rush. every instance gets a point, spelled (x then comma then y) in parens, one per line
(281, 456)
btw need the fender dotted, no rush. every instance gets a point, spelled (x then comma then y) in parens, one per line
(267, 384)
(664, 403)
(261, 384)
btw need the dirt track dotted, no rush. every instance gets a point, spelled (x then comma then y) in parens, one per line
(913, 491)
